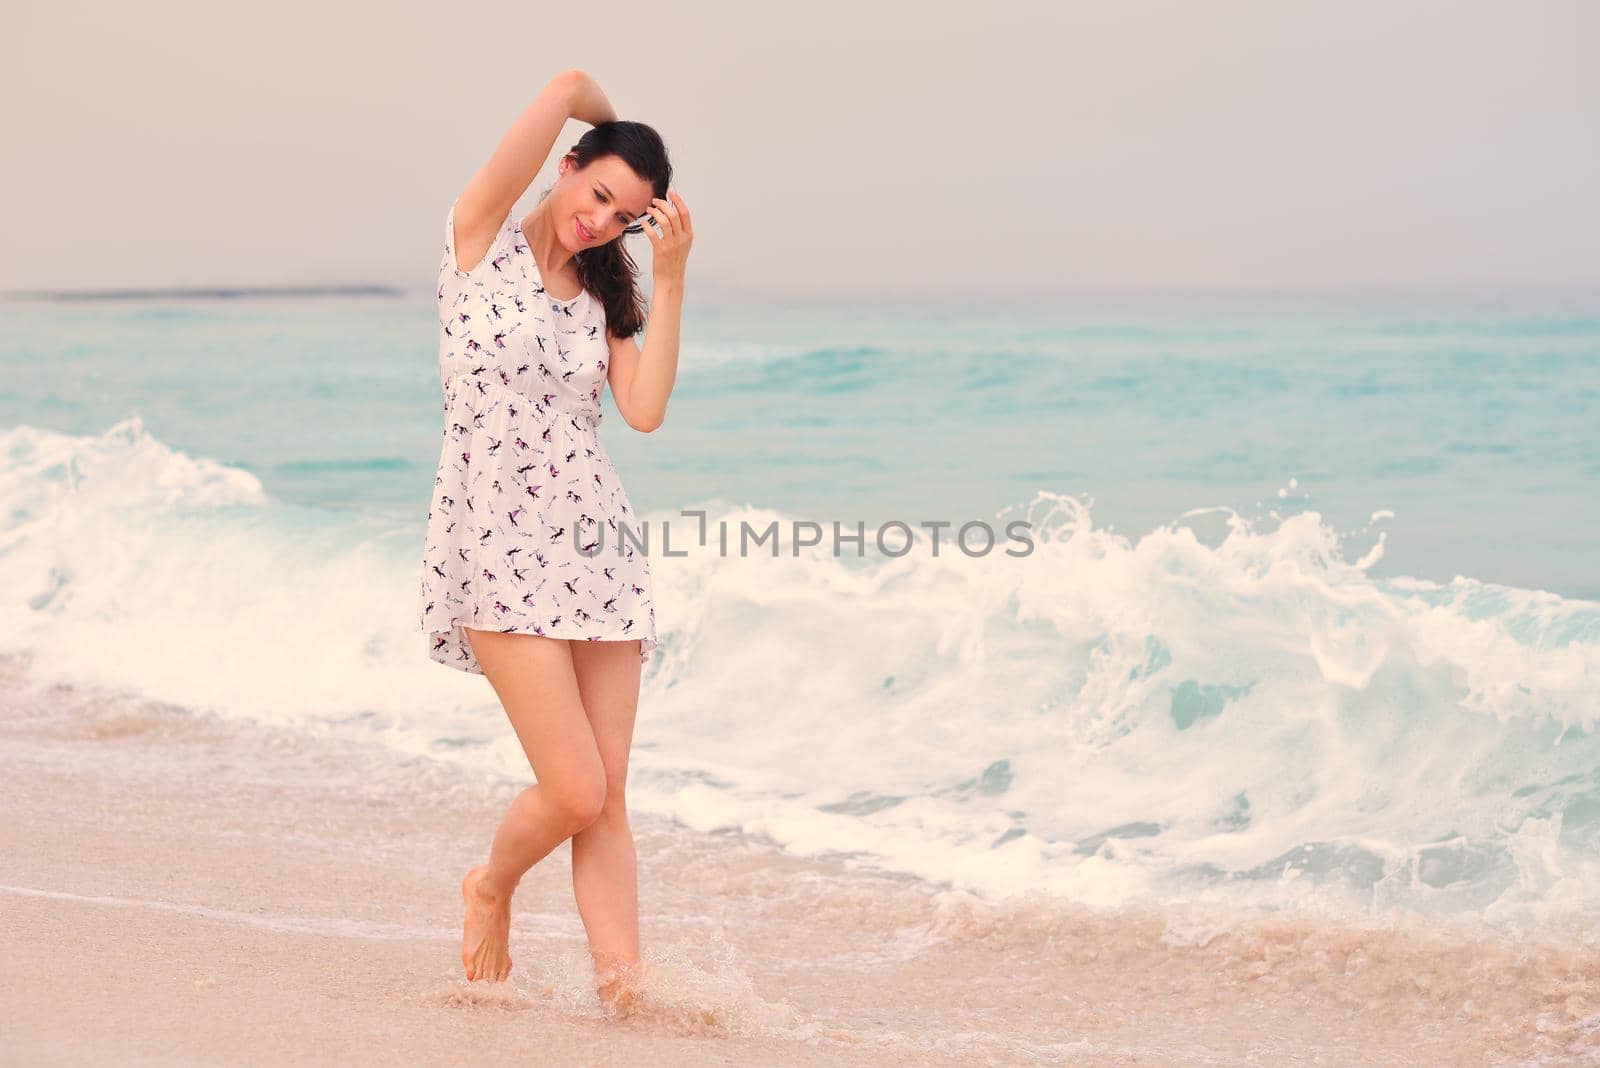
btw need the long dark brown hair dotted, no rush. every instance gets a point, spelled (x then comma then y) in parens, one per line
(608, 271)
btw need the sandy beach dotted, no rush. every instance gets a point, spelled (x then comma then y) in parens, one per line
(186, 889)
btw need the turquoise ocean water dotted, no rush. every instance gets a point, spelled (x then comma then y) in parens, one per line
(1312, 613)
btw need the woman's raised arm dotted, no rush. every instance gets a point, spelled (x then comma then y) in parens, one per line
(491, 193)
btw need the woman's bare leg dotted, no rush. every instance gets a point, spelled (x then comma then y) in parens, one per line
(533, 677)
(604, 865)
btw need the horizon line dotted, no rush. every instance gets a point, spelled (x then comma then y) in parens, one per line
(715, 289)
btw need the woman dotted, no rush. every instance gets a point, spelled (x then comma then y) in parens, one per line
(533, 573)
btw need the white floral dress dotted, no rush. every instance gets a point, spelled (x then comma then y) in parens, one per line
(526, 526)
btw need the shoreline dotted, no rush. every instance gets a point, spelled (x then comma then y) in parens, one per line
(188, 888)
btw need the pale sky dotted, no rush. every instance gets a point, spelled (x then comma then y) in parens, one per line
(982, 148)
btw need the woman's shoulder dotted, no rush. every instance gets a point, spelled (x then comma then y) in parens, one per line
(495, 258)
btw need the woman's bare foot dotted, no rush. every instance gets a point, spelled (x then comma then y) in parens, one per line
(617, 987)
(617, 997)
(485, 953)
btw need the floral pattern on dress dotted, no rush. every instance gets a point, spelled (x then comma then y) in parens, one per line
(526, 526)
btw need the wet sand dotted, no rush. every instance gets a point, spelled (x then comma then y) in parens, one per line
(186, 889)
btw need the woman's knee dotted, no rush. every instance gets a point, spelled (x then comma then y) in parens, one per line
(576, 800)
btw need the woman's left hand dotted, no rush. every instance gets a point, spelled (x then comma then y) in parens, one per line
(671, 246)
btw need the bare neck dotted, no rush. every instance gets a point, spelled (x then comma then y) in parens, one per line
(554, 261)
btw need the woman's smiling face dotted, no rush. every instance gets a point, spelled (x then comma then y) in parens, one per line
(599, 201)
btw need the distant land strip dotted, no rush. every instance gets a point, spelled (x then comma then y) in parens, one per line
(206, 293)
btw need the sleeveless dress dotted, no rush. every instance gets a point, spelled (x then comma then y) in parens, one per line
(525, 529)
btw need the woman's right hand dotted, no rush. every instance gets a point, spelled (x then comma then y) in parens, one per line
(588, 102)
